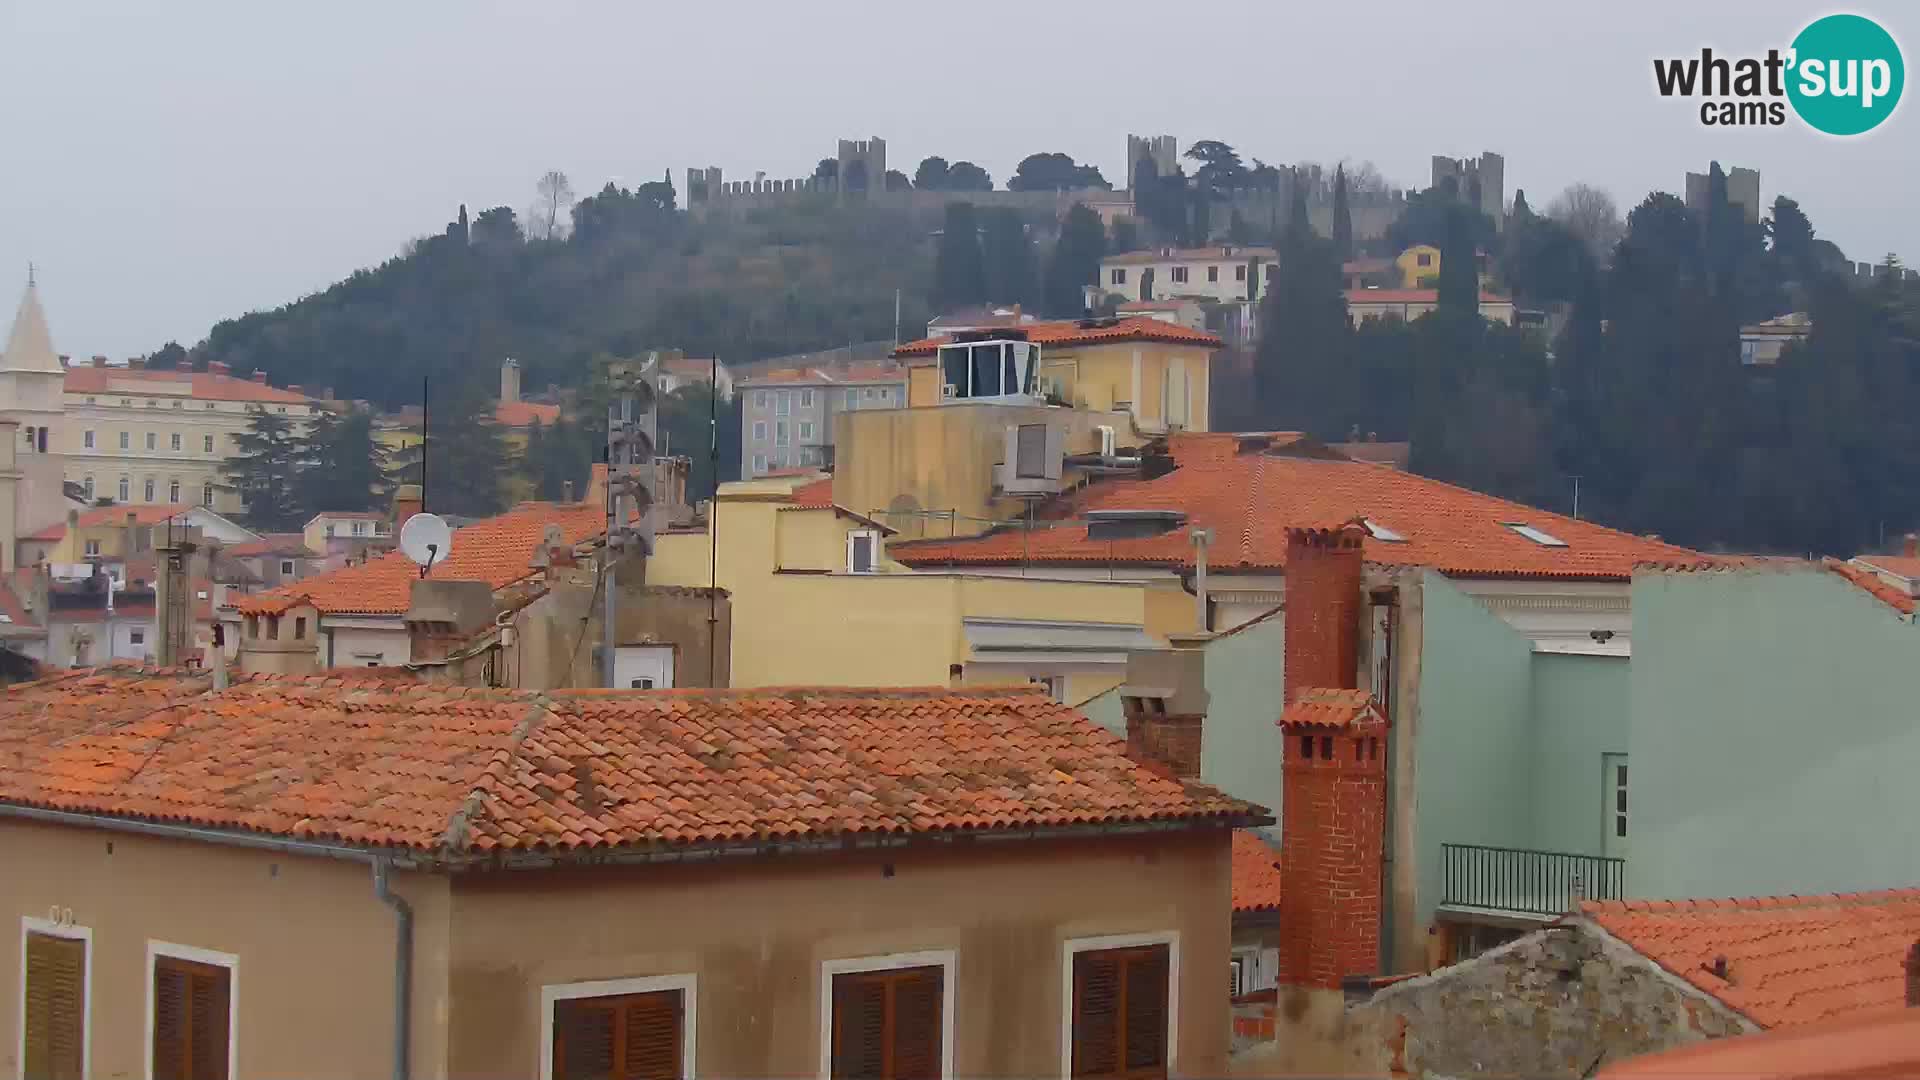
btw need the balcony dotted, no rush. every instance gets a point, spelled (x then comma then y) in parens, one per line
(1518, 881)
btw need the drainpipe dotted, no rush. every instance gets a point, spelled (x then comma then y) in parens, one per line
(402, 969)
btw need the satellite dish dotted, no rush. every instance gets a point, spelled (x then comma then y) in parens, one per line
(427, 540)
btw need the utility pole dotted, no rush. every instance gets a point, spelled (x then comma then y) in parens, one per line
(631, 427)
(1576, 496)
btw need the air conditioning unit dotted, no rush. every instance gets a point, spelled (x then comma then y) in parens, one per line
(1033, 459)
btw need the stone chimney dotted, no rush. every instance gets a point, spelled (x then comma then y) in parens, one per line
(1910, 545)
(407, 501)
(260, 377)
(1333, 805)
(509, 381)
(444, 614)
(1165, 701)
(1913, 975)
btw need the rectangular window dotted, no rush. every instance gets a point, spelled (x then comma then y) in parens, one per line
(759, 464)
(894, 1021)
(125, 489)
(136, 637)
(863, 545)
(621, 1029)
(1538, 536)
(359, 528)
(93, 547)
(87, 440)
(1179, 274)
(286, 566)
(153, 441)
(1240, 272)
(147, 489)
(1213, 274)
(173, 441)
(206, 443)
(868, 393)
(1119, 276)
(173, 491)
(86, 488)
(782, 403)
(1120, 1010)
(759, 399)
(806, 399)
(759, 431)
(125, 440)
(782, 433)
(806, 431)
(1423, 259)
(206, 495)
(886, 394)
(54, 1033)
(853, 399)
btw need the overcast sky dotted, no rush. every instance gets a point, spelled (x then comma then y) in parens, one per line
(167, 165)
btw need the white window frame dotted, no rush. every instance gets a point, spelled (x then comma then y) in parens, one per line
(153, 440)
(760, 431)
(853, 399)
(760, 400)
(806, 399)
(126, 440)
(873, 550)
(206, 442)
(805, 436)
(759, 464)
(173, 442)
(686, 982)
(158, 949)
(1073, 946)
(88, 441)
(31, 925)
(947, 960)
(782, 403)
(126, 489)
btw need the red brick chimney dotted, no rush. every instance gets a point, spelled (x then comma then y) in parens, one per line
(406, 503)
(1165, 702)
(1333, 805)
(1913, 975)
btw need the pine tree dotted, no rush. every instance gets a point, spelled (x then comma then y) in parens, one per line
(467, 456)
(265, 470)
(1459, 271)
(1009, 259)
(1342, 216)
(959, 267)
(1074, 263)
(341, 465)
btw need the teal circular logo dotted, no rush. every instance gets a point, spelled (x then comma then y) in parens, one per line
(1846, 76)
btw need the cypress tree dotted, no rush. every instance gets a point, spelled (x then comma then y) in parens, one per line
(1342, 216)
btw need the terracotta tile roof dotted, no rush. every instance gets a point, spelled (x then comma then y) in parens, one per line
(1906, 566)
(497, 550)
(520, 414)
(1412, 296)
(143, 514)
(1790, 959)
(1256, 873)
(1072, 333)
(1878, 1046)
(200, 385)
(1250, 496)
(815, 496)
(1876, 586)
(1322, 708)
(455, 771)
(13, 601)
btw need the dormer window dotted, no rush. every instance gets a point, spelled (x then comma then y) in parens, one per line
(1538, 536)
(989, 369)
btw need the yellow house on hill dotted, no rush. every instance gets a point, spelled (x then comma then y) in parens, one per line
(816, 601)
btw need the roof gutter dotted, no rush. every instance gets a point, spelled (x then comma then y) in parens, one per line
(382, 862)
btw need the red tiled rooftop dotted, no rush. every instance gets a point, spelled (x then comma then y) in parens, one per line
(1877, 1046)
(1072, 333)
(1256, 873)
(1906, 566)
(201, 385)
(1791, 960)
(498, 550)
(815, 496)
(143, 514)
(1874, 585)
(1323, 708)
(475, 771)
(521, 414)
(1250, 496)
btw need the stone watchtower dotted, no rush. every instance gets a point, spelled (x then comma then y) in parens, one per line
(1333, 802)
(862, 167)
(1164, 150)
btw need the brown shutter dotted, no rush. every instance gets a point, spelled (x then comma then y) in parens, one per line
(55, 1007)
(859, 1028)
(652, 1023)
(916, 1024)
(1146, 1025)
(1096, 1013)
(583, 1034)
(170, 1008)
(210, 1002)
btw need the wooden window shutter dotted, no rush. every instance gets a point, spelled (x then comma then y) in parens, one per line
(887, 1024)
(55, 1007)
(191, 1007)
(628, 1037)
(1120, 1012)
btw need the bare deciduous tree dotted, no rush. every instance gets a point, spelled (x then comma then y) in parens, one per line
(1589, 214)
(545, 218)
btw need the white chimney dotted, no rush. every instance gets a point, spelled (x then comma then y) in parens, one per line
(509, 381)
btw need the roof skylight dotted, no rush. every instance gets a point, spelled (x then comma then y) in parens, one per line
(1538, 536)
(1382, 533)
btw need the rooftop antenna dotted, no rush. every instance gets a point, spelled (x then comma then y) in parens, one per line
(29, 273)
(426, 539)
(424, 427)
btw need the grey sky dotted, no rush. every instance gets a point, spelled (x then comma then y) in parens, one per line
(168, 165)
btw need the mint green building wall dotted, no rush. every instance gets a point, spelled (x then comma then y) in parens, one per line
(1472, 759)
(1580, 706)
(1774, 737)
(1107, 711)
(1241, 749)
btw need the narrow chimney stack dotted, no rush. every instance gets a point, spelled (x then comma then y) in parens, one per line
(1165, 701)
(1913, 975)
(1322, 608)
(407, 499)
(1910, 545)
(509, 381)
(260, 377)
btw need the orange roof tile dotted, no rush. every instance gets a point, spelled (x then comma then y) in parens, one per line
(143, 514)
(1256, 873)
(815, 496)
(1906, 566)
(464, 772)
(201, 385)
(498, 550)
(520, 414)
(1073, 333)
(1790, 960)
(1876, 586)
(1877, 1046)
(1250, 495)
(1322, 708)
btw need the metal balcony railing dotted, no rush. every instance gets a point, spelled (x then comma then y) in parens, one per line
(1530, 882)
